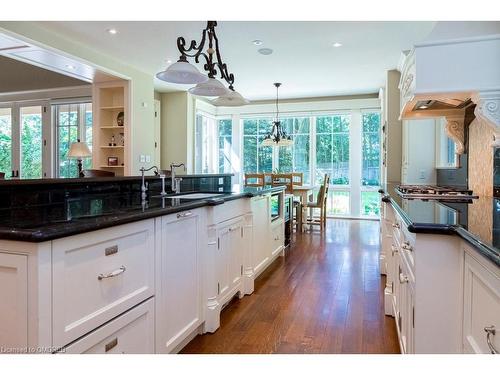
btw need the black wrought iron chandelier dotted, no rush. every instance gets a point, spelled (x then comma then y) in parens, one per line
(206, 85)
(277, 136)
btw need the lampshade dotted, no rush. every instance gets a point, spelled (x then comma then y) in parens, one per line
(212, 87)
(231, 99)
(285, 142)
(182, 72)
(268, 141)
(79, 150)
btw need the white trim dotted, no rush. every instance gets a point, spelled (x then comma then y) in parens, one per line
(46, 94)
(469, 39)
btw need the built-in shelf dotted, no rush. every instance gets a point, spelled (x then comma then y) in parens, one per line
(110, 99)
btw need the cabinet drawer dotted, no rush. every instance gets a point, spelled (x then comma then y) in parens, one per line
(130, 333)
(99, 275)
(481, 307)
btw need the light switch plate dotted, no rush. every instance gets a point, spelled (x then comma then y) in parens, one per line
(142, 158)
(148, 158)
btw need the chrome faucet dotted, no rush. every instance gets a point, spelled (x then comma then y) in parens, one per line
(176, 181)
(144, 187)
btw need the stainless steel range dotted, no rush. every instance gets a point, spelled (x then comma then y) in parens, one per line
(448, 193)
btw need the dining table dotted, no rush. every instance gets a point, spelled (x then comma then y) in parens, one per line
(303, 192)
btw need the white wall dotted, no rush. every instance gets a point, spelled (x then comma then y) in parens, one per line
(419, 152)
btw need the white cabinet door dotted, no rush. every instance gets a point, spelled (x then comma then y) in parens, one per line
(481, 307)
(261, 236)
(14, 301)
(230, 259)
(179, 292)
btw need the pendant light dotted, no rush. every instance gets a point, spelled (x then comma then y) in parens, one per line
(277, 136)
(182, 72)
(231, 99)
(211, 87)
(207, 49)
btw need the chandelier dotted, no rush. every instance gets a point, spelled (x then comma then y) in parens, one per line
(277, 136)
(206, 85)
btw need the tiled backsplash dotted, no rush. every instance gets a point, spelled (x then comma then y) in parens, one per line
(480, 159)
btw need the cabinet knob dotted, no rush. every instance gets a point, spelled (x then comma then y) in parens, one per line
(403, 278)
(395, 225)
(490, 331)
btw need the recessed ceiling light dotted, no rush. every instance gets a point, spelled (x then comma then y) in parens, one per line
(337, 44)
(265, 51)
(112, 31)
(257, 42)
(423, 106)
(69, 66)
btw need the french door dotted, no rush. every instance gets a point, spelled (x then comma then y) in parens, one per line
(25, 140)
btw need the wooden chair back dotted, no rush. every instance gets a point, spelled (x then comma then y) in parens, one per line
(268, 178)
(280, 179)
(254, 179)
(326, 184)
(97, 173)
(298, 178)
(2, 175)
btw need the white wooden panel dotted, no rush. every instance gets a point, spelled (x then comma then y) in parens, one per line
(130, 333)
(179, 295)
(481, 306)
(82, 302)
(261, 235)
(14, 302)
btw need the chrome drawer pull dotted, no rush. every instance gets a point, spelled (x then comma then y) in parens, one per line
(394, 250)
(110, 345)
(490, 331)
(406, 245)
(184, 214)
(114, 273)
(403, 279)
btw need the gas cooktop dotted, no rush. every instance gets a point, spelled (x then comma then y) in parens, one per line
(449, 193)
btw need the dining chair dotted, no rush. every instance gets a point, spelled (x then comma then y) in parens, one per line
(298, 178)
(97, 173)
(286, 179)
(254, 179)
(2, 175)
(320, 203)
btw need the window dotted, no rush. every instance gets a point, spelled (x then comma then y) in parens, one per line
(31, 142)
(256, 158)
(371, 149)
(6, 141)
(205, 143)
(296, 158)
(225, 133)
(370, 168)
(332, 148)
(72, 122)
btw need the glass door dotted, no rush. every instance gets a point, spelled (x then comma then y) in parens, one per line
(31, 144)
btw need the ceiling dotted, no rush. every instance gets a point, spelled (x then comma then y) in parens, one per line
(304, 59)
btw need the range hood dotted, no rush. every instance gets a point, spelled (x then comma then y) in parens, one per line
(444, 78)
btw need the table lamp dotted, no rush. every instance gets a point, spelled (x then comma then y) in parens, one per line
(78, 151)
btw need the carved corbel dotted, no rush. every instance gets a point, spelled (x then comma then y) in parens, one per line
(488, 112)
(455, 130)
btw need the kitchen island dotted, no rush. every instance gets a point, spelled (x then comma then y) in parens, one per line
(442, 265)
(87, 266)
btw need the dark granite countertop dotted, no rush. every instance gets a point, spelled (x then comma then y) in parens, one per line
(80, 214)
(476, 221)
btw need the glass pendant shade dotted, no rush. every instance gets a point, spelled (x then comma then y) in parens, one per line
(231, 99)
(182, 72)
(212, 87)
(268, 141)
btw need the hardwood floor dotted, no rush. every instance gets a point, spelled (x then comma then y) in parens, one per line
(324, 296)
